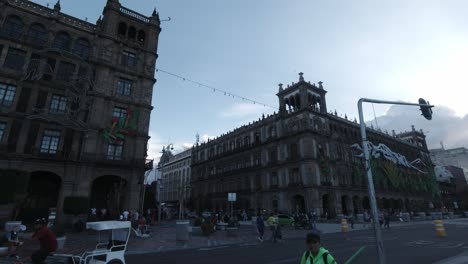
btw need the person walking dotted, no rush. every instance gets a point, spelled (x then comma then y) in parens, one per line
(271, 221)
(387, 220)
(381, 218)
(316, 253)
(351, 220)
(47, 241)
(260, 228)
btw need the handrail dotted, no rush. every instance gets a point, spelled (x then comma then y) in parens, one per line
(134, 14)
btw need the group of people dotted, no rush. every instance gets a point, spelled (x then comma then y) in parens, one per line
(274, 225)
(46, 238)
(305, 220)
(384, 219)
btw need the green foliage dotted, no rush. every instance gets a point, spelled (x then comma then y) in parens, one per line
(74, 205)
(13, 182)
(388, 175)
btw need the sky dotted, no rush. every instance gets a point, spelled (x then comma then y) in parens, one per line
(393, 50)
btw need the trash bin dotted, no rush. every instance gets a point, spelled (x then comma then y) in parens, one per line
(182, 233)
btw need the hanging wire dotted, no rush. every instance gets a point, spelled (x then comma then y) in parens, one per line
(226, 93)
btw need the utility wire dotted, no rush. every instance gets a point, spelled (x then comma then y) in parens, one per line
(215, 89)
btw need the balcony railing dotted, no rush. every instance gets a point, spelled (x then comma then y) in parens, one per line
(104, 159)
(134, 14)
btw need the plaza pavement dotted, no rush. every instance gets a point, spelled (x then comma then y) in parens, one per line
(163, 238)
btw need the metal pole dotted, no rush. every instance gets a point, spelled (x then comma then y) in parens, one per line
(373, 202)
(159, 200)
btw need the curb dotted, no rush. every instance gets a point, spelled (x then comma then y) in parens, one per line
(460, 259)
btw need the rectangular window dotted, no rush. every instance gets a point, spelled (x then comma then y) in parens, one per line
(2, 130)
(58, 104)
(257, 158)
(7, 94)
(274, 179)
(65, 71)
(124, 87)
(119, 112)
(114, 151)
(50, 141)
(15, 59)
(129, 59)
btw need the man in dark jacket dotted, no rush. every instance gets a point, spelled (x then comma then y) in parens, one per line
(47, 241)
(260, 227)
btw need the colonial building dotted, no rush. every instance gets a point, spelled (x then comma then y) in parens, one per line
(175, 177)
(75, 104)
(455, 157)
(307, 158)
(452, 183)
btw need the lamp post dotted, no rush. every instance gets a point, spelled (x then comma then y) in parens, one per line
(427, 113)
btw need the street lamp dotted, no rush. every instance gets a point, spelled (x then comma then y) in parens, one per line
(427, 113)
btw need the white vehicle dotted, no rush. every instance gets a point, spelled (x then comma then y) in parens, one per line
(110, 249)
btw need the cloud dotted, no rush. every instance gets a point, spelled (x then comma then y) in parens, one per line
(243, 110)
(445, 125)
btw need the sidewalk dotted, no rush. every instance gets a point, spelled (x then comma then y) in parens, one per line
(460, 259)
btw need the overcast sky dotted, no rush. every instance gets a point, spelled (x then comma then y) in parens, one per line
(393, 50)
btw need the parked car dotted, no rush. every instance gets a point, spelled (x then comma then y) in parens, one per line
(286, 220)
(206, 214)
(192, 215)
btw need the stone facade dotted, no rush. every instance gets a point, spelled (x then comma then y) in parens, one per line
(455, 157)
(75, 102)
(303, 158)
(175, 176)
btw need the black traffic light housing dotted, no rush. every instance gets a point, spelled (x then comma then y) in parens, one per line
(425, 109)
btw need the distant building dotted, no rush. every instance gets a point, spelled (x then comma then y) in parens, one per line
(175, 175)
(452, 183)
(456, 157)
(308, 158)
(75, 105)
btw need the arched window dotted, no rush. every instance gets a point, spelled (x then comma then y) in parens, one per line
(131, 33)
(141, 36)
(13, 26)
(82, 48)
(62, 41)
(122, 30)
(37, 34)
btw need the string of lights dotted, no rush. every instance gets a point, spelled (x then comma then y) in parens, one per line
(215, 89)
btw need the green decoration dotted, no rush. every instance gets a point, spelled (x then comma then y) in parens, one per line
(122, 127)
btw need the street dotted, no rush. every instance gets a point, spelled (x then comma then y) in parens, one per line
(404, 245)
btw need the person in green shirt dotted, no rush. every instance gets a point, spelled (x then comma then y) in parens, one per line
(315, 253)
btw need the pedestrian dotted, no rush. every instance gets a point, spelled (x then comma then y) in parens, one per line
(315, 253)
(387, 220)
(136, 216)
(142, 224)
(125, 215)
(12, 242)
(271, 221)
(47, 241)
(367, 219)
(260, 228)
(351, 220)
(381, 218)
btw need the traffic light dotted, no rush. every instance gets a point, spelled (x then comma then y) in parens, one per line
(425, 109)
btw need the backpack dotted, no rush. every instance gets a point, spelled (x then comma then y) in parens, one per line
(325, 256)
